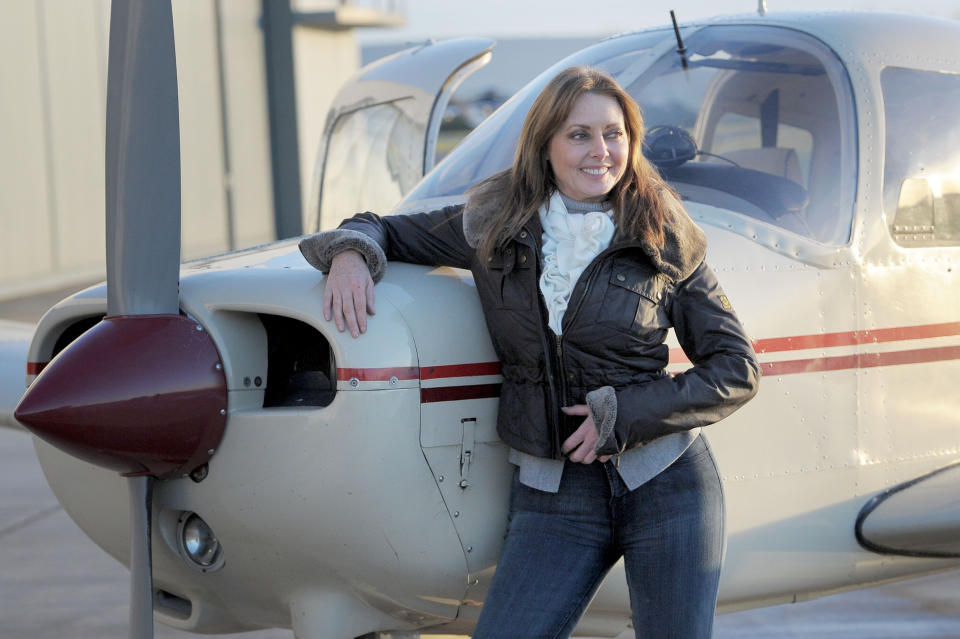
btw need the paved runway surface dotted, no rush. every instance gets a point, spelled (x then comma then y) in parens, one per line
(57, 584)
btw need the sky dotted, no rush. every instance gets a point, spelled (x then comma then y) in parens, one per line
(439, 19)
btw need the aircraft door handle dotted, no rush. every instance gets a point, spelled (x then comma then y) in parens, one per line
(469, 425)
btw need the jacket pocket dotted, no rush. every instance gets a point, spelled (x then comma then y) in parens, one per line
(633, 299)
(506, 282)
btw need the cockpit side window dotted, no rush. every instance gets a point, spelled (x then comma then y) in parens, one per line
(921, 176)
(771, 115)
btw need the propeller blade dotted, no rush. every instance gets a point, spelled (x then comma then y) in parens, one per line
(143, 216)
(143, 392)
(141, 564)
(142, 160)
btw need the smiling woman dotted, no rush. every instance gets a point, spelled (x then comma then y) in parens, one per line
(583, 259)
(589, 153)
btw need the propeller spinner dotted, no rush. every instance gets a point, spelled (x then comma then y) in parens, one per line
(143, 392)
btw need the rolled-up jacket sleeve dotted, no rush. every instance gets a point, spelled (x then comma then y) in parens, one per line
(434, 238)
(724, 376)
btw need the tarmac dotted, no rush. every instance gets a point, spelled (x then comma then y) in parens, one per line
(55, 583)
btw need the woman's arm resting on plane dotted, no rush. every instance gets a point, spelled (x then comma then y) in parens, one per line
(367, 241)
(348, 296)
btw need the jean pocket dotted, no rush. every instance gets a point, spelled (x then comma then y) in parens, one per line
(694, 453)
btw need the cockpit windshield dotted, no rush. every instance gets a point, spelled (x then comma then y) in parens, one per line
(757, 121)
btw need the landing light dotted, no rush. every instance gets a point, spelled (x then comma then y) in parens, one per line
(198, 544)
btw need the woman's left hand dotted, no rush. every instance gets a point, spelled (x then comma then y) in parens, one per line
(579, 447)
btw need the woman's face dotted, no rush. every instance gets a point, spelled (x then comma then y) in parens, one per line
(588, 153)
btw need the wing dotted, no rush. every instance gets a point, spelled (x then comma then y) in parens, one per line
(14, 340)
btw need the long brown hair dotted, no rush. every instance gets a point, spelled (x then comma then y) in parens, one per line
(642, 201)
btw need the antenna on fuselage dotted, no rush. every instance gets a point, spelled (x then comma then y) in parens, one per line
(682, 50)
(762, 7)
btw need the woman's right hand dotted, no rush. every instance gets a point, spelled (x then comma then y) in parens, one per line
(348, 296)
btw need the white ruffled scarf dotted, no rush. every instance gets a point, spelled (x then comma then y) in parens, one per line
(570, 242)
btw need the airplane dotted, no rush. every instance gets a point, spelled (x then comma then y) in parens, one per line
(282, 474)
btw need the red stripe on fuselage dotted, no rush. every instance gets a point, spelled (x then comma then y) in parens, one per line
(853, 338)
(437, 393)
(456, 393)
(847, 338)
(460, 370)
(478, 369)
(861, 360)
(770, 345)
(378, 374)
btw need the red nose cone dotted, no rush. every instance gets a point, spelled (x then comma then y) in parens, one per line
(137, 394)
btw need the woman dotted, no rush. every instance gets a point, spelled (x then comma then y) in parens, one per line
(583, 258)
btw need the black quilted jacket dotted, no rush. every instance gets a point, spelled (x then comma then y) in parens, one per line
(613, 330)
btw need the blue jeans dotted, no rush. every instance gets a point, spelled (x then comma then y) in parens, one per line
(560, 546)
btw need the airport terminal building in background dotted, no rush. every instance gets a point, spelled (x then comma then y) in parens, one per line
(256, 80)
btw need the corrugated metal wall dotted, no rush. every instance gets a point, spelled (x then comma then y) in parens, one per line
(53, 61)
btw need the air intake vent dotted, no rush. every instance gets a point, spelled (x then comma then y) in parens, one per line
(172, 605)
(300, 368)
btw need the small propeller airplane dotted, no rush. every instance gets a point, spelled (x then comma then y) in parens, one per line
(256, 468)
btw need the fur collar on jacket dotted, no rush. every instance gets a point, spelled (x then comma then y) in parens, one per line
(683, 249)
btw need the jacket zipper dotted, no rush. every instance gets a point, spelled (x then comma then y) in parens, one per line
(551, 378)
(548, 352)
(560, 398)
(569, 317)
(563, 374)
(563, 397)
